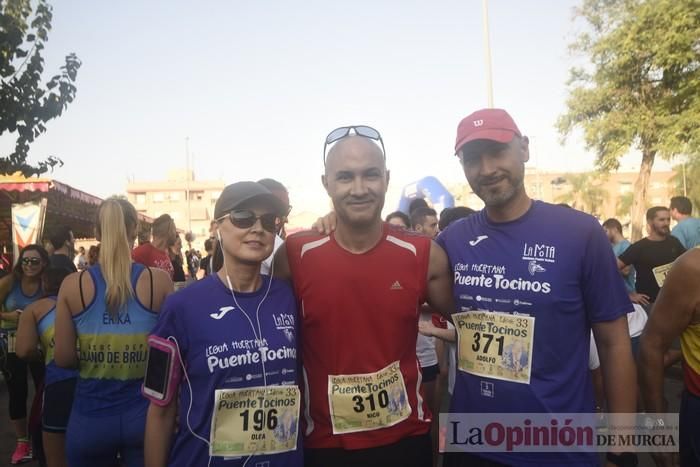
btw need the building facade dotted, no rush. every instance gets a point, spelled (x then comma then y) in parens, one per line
(603, 196)
(188, 201)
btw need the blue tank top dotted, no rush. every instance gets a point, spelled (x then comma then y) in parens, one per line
(16, 300)
(113, 351)
(45, 328)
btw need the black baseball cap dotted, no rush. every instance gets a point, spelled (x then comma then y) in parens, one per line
(238, 193)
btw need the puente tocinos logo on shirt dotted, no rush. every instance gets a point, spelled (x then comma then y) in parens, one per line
(491, 276)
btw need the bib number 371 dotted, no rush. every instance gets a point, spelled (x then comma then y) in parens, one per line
(495, 345)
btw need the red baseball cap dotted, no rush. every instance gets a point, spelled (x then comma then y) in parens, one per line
(492, 124)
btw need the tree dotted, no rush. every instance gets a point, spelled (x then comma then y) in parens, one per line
(585, 194)
(641, 87)
(624, 205)
(25, 103)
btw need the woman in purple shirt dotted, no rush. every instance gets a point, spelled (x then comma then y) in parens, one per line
(235, 335)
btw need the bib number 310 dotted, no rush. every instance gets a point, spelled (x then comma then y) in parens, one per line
(382, 401)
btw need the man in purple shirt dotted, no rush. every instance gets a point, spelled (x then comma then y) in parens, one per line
(530, 281)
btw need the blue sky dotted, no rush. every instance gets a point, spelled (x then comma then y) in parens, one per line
(257, 85)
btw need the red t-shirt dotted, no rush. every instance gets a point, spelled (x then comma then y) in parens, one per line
(439, 321)
(359, 315)
(150, 256)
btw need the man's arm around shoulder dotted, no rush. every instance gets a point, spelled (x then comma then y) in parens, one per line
(281, 264)
(440, 295)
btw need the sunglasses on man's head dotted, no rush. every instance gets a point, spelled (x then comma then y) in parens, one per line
(344, 131)
(247, 219)
(32, 261)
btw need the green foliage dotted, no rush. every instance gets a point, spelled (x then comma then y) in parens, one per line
(641, 88)
(624, 205)
(26, 104)
(586, 193)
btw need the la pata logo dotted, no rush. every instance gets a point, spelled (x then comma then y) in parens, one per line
(285, 322)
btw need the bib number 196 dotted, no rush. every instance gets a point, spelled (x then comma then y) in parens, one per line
(261, 419)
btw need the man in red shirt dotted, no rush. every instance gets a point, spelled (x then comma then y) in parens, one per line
(360, 290)
(155, 254)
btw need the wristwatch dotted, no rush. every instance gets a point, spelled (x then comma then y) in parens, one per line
(624, 459)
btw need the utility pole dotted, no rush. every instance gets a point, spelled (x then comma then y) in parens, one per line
(187, 184)
(487, 53)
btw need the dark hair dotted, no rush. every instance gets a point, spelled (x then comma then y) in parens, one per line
(415, 204)
(682, 205)
(53, 280)
(161, 225)
(217, 259)
(651, 212)
(401, 215)
(60, 236)
(418, 215)
(449, 215)
(93, 254)
(208, 244)
(17, 271)
(272, 185)
(613, 224)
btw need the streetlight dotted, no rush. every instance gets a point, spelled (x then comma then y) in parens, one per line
(487, 53)
(187, 183)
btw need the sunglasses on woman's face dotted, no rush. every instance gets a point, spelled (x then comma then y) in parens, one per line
(32, 261)
(247, 219)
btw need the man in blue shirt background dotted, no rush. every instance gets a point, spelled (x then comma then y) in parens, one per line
(688, 228)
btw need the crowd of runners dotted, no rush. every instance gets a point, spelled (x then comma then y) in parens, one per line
(339, 346)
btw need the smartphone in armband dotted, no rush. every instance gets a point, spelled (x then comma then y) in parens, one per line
(162, 371)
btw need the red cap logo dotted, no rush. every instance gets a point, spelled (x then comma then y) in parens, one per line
(491, 124)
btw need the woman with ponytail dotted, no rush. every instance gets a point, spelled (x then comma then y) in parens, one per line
(107, 314)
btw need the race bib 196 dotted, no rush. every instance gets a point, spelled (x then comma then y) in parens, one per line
(495, 345)
(255, 420)
(660, 273)
(369, 401)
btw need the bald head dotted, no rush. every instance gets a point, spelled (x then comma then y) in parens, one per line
(356, 179)
(353, 147)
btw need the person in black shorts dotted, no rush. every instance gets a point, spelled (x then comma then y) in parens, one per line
(36, 327)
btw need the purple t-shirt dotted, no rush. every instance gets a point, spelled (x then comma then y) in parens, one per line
(211, 331)
(554, 264)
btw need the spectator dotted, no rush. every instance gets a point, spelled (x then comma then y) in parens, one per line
(93, 255)
(80, 260)
(399, 218)
(63, 244)
(17, 291)
(688, 228)
(155, 253)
